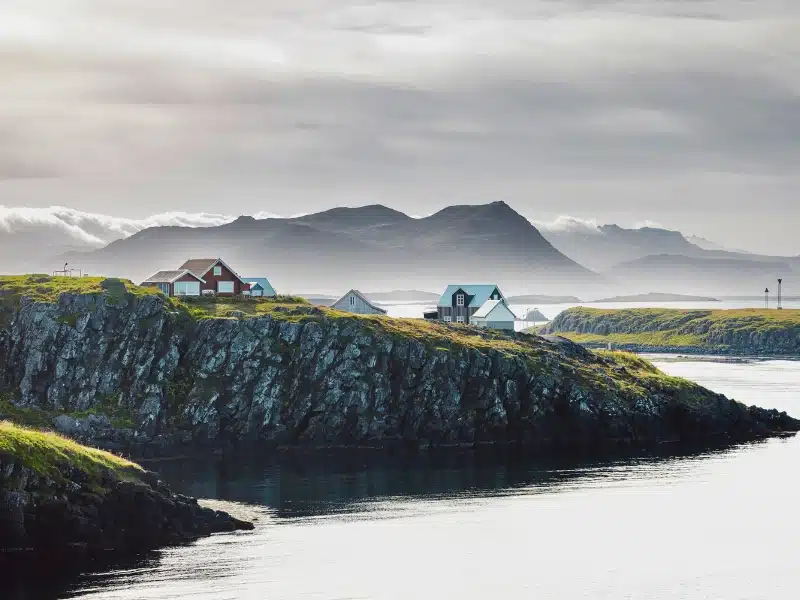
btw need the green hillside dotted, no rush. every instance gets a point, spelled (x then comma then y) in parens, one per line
(741, 330)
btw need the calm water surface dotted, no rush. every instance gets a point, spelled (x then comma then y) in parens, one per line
(721, 524)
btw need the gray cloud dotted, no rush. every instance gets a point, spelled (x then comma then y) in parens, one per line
(635, 110)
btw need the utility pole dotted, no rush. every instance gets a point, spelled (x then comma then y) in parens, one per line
(766, 298)
(780, 283)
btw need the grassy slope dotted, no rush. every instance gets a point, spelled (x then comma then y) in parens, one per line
(47, 453)
(672, 327)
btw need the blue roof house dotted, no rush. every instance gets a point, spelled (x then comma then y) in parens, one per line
(460, 302)
(260, 286)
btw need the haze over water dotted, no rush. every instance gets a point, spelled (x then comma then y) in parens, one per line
(721, 524)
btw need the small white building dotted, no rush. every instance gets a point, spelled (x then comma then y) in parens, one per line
(494, 314)
(355, 302)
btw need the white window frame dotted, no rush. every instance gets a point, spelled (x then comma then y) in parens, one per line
(460, 299)
(448, 319)
(180, 288)
(228, 284)
(217, 271)
(460, 319)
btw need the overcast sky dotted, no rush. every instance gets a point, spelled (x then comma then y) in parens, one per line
(682, 113)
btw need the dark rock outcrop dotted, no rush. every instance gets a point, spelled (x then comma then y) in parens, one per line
(70, 518)
(317, 378)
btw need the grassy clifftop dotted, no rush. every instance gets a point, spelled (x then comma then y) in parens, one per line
(741, 330)
(48, 453)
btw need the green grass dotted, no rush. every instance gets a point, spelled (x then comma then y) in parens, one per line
(49, 453)
(671, 327)
(221, 307)
(657, 338)
(44, 288)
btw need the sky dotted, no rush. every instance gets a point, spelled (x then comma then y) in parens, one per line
(680, 113)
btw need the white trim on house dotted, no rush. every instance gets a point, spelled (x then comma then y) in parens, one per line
(494, 314)
(220, 261)
(187, 288)
(178, 274)
(228, 287)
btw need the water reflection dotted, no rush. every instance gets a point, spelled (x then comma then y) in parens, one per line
(342, 482)
(299, 492)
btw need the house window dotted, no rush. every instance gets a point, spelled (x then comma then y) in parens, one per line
(460, 300)
(352, 300)
(460, 319)
(187, 288)
(225, 287)
(217, 271)
(448, 319)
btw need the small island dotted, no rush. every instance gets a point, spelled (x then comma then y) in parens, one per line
(656, 297)
(740, 331)
(64, 505)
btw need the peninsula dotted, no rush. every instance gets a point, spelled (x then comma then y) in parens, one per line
(743, 332)
(131, 370)
(658, 297)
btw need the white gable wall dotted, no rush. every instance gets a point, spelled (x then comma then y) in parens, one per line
(354, 304)
(500, 317)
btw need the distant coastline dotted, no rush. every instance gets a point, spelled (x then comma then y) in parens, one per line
(657, 297)
(754, 332)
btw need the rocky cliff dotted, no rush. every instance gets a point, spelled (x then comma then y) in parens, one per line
(136, 371)
(746, 331)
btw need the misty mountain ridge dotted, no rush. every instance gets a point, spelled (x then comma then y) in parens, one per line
(377, 248)
(371, 247)
(678, 274)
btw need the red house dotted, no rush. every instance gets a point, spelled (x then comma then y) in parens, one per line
(199, 275)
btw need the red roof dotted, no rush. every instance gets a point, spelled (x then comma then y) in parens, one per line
(201, 266)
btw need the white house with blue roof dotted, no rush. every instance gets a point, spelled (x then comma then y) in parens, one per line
(459, 303)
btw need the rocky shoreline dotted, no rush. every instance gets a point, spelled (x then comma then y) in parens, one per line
(69, 518)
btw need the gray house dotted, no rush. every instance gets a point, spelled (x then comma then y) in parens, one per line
(494, 314)
(460, 302)
(355, 302)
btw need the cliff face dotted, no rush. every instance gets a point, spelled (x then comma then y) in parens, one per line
(313, 376)
(749, 331)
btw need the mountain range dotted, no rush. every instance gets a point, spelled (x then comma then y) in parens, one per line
(377, 248)
(371, 247)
